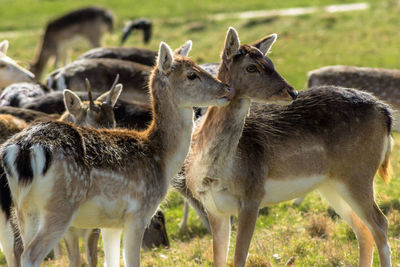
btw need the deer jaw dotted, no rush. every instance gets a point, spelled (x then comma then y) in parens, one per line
(10, 71)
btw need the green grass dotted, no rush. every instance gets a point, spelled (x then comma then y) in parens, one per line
(363, 38)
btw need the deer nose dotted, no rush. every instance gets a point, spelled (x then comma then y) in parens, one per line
(231, 93)
(293, 93)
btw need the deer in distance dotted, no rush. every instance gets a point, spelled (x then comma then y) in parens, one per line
(87, 23)
(111, 179)
(238, 163)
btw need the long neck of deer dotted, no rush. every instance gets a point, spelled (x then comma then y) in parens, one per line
(171, 129)
(222, 127)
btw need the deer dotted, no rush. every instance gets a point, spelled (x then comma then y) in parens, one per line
(239, 163)
(27, 115)
(10, 71)
(111, 179)
(89, 23)
(102, 71)
(138, 24)
(383, 83)
(97, 113)
(18, 93)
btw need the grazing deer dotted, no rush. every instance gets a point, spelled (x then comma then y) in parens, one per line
(96, 113)
(239, 163)
(383, 83)
(138, 24)
(10, 71)
(110, 179)
(101, 71)
(16, 94)
(86, 23)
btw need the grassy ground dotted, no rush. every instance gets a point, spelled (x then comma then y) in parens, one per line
(308, 235)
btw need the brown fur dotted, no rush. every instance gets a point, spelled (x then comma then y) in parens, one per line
(383, 83)
(330, 139)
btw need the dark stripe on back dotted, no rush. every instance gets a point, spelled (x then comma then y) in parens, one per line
(47, 155)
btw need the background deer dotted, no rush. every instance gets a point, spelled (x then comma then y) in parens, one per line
(107, 178)
(19, 93)
(87, 23)
(138, 24)
(10, 71)
(280, 152)
(383, 83)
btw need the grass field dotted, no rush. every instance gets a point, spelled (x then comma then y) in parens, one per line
(309, 235)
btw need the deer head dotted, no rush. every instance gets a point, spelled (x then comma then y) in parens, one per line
(10, 71)
(192, 86)
(95, 113)
(258, 78)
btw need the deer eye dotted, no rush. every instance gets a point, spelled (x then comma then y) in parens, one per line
(251, 69)
(192, 76)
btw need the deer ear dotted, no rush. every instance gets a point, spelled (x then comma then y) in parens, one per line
(115, 93)
(72, 102)
(266, 43)
(4, 46)
(184, 49)
(232, 43)
(165, 58)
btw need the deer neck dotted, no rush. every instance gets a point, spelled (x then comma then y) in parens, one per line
(170, 131)
(217, 138)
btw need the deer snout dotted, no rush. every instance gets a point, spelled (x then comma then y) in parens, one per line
(231, 93)
(292, 92)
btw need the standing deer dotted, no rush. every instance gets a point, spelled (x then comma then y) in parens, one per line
(239, 163)
(96, 113)
(110, 179)
(10, 71)
(383, 83)
(87, 23)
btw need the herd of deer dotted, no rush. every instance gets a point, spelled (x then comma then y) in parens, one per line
(107, 163)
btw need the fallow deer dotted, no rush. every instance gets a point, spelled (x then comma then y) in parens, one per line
(10, 71)
(109, 179)
(18, 93)
(96, 113)
(383, 83)
(87, 23)
(138, 24)
(101, 71)
(27, 115)
(239, 163)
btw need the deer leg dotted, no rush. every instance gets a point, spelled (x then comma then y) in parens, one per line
(7, 239)
(91, 240)
(364, 237)
(71, 239)
(133, 236)
(112, 244)
(220, 229)
(57, 252)
(18, 246)
(50, 232)
(183, 226)
(247, 218)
